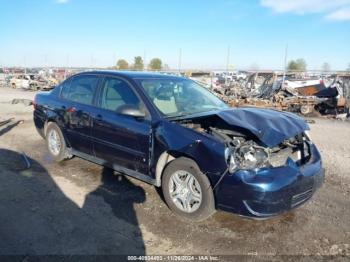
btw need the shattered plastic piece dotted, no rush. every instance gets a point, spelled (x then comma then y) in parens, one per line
(26, 102)
(28, 165)
(5, 122)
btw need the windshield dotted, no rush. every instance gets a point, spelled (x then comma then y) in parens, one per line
(180, 97)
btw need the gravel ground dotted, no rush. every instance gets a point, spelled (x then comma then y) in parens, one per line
(77, 207)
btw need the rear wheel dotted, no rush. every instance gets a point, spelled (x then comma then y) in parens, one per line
(56, 143)
(187, 191)
(307, 109)
(33, 87)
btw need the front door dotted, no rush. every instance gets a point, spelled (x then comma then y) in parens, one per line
(119, 139)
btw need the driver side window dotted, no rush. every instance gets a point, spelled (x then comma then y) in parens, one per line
(116, 93)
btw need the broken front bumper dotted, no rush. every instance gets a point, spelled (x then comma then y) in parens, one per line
(266, 192)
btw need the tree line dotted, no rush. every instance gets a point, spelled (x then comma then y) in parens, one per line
(300, 65)
(155, 64)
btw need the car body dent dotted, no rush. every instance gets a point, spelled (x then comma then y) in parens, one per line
(268, 192)
(270, 126)
(203, 149)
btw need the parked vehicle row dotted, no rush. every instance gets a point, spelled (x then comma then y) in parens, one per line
(28, 81)
(227, 78)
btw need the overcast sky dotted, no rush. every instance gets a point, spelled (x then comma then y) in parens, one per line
(98, 32)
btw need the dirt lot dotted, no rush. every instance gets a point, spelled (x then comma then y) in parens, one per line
(80, 208)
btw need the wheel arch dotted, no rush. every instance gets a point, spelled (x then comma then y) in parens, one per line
(165, 158)
(53, 120)
(47, 122)
(52, 116)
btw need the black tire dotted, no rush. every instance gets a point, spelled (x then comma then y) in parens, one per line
(207, 206)
(63, 152)
(33, 87)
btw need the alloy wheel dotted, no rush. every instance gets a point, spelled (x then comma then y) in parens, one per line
(54, 142)
(185, 191)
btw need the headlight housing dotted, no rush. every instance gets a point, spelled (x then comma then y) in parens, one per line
(246, 156)
(231, 163)
(251, 156)
(307, 135)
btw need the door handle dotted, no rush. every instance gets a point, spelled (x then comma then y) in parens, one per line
(99, 118)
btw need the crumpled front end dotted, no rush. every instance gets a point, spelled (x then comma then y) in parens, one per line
(271, 190)
(271, 163)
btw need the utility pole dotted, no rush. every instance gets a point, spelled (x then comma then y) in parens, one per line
(285, 65)
(67, 61)
(94, 61)
(67, 66)
(25, 66)
(228, 59)
(46, 61)
(180, 60)
(144, 60)
(227, 65)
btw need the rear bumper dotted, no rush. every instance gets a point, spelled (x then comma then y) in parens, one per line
(267, 192)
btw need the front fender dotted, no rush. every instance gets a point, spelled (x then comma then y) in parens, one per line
(207, 152)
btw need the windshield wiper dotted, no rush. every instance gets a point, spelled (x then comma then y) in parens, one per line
(212, 108)
(178, 115)
(193, 113)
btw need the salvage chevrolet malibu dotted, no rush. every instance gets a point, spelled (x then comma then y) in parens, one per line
(174, 134)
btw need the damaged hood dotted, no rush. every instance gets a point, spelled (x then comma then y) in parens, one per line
(270, 126)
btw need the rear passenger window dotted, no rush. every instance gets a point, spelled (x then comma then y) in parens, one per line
(65, 88)
(81, 89)
(116, 93)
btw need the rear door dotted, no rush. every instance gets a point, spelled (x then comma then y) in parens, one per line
(79, 99)
(119, 139)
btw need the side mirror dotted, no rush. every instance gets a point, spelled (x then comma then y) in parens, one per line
(129, 110)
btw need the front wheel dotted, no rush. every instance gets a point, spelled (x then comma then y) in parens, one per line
(306, 109)
(34, 87)
(187, 191)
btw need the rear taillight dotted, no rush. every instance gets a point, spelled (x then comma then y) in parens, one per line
(35, 102)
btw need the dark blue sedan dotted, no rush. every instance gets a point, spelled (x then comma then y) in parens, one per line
(173, 133)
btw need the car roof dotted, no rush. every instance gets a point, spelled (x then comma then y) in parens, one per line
(133, 74)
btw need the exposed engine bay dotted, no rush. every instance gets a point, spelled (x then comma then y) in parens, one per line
(245, 151)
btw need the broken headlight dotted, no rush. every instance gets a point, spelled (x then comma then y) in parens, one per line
(251, 156)
(307, 135)
(247, 155)
(233, 165)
